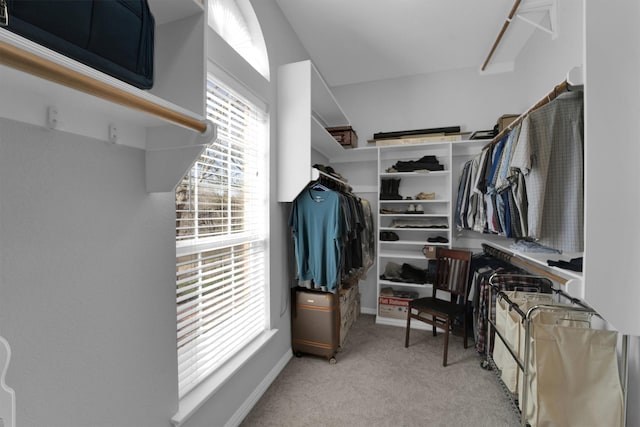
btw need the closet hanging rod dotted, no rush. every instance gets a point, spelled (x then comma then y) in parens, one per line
(560, 88)
(21, 60)
(333, 179)
(519, 262)
(501, 33)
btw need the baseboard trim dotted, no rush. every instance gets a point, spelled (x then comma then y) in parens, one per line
(253, 398)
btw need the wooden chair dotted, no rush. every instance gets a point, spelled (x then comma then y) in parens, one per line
(449, 298)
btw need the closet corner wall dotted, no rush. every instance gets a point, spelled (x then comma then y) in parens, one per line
(612, 204)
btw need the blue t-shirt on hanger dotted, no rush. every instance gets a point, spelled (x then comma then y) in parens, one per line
(316, 222)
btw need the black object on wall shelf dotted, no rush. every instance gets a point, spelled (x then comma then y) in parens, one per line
(115, 37)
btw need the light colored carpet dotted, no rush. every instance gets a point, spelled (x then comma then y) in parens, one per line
(378, 382)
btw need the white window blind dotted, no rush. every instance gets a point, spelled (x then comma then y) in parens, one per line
(221, 241)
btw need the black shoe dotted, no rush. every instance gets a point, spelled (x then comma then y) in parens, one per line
(388, 236)
(438, 239)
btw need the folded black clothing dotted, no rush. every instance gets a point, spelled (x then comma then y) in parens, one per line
(411, 166)
(390, 197)
(413, 274)
(428, 159)
(574, 264)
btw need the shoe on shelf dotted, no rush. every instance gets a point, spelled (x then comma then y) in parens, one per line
(425, 196)
(411, 209)
(388, 236)
(438, 239)
(419, 209)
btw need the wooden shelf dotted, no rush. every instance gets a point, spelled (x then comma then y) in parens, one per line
(402, 254)
(322, 141)
(414, 201)
(357, 154)
(431, 174)
(536, 263)
(435, 230)
(418, 286)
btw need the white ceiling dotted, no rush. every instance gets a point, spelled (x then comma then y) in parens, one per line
(352, 41)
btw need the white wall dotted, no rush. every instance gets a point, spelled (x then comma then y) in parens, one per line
(87, 285)
(612, 111)
(545, 62)
(612, 108)
(87, 273)
(456, 98)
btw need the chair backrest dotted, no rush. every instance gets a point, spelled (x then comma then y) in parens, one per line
(452, 272)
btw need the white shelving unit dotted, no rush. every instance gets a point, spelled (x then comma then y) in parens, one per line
(179, 85)
(434, 221)
(306, 107)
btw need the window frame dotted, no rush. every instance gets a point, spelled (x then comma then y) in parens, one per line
(191, 399)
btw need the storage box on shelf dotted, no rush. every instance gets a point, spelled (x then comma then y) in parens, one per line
(394, 308)
(394, 302)
(345, 135)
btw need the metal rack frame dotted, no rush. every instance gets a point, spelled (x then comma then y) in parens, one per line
(578, 307)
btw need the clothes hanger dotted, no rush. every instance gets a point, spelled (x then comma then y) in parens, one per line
(318, 186)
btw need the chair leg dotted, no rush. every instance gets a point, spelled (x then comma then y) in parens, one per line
(406, 336)
(464, 325)
(446, 342)
(434, 325)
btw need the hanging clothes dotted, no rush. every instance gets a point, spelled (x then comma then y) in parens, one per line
(549, 154)
(318, 225)
(529, 184)
(333, 234)
(367, 238)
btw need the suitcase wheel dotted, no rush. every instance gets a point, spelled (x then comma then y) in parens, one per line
(333, 361)
(297, 354)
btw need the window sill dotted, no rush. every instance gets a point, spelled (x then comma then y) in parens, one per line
(190, 403)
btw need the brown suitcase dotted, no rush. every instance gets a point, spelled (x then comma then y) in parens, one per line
(345, 135)
(315, 324)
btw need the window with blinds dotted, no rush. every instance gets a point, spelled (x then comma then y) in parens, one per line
(221, 240)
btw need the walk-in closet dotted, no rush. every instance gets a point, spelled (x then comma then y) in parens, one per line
(293, 212)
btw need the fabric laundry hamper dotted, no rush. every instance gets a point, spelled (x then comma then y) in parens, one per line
(509, 324)
(573, 371)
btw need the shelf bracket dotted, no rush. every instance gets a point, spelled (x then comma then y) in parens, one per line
(113, 135)
(52, 117)
(170, 152)
(547, 7)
